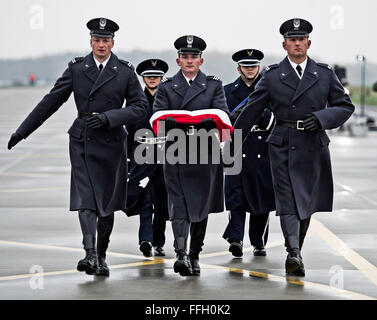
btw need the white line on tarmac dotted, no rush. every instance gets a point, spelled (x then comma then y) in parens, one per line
(349, 189)
(307, 284)
(368, 269)
(151, 261)
(6, 190)
(49, 247)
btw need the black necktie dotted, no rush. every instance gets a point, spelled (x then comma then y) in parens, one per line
(190, 82)
(299, 70)
(100, 67)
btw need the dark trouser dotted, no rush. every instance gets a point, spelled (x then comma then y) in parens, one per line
(258, 227)
(91, 223)
(294, 231)
(159, 226)
(181, 229)
(153, 232)
(145, 227)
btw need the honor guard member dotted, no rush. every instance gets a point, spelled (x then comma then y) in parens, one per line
(306, 98)
(100, 83)
(194, 190)
(148, 200)
(251, 190)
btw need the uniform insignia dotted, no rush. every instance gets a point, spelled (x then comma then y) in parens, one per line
(190, 40)
(75, 60)
(324, 65)
(270, 67)
(296, 24)
(115, 67)
(236, 85)
(165, 80)
(102, 23)
(128, 64)
(283, 74)
(86, 66)
(203, 84)
(154, 62)
(250, 53)
(213, 77)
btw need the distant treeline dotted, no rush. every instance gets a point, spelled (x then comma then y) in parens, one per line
(49, 68)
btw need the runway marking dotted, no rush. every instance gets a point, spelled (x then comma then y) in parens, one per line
(29, 275)
(367, 268)
(307, 284)
(44, 246)
(152, 261)
(40, 155)
(349, 189)
(6, 190)
(34, 175)
(56, 273)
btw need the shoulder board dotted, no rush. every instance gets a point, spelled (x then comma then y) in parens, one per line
(166, 80)
(75, 60)
(270, 67)
(213, 78)
(128, 64)
(324, 65)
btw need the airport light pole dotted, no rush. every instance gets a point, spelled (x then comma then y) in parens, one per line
(363, 60)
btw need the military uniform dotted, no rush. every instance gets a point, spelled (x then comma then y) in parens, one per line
(251, 190)
(98, 155)
(300, 158)
(194, 190)
(150, 200)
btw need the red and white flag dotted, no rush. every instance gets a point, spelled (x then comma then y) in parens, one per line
(220, 117)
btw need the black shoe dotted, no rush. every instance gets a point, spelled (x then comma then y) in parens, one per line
(236, 248)
(183, 265)
(294, 264)
(103, 269)
(259, 252)
(298, 273)
(146, 248)
(89, 263)
(195, 266)
(159, 251)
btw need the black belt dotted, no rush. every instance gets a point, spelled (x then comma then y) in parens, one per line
(295, 124)
(85, 115)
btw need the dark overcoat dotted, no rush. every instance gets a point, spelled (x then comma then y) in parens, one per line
(252, 189)
(98, 156)
(194, 190)
(138, 172)
(300, 159)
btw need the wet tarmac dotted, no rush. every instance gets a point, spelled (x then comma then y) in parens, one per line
(40, 240)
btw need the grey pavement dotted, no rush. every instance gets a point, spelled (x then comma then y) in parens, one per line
(40, 239)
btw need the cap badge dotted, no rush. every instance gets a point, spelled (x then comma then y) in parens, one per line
(102, 23)
(250, 53)
(190, 40)
(154, 62)
(296, 23)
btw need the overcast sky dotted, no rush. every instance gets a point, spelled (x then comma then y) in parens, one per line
(342, 29)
